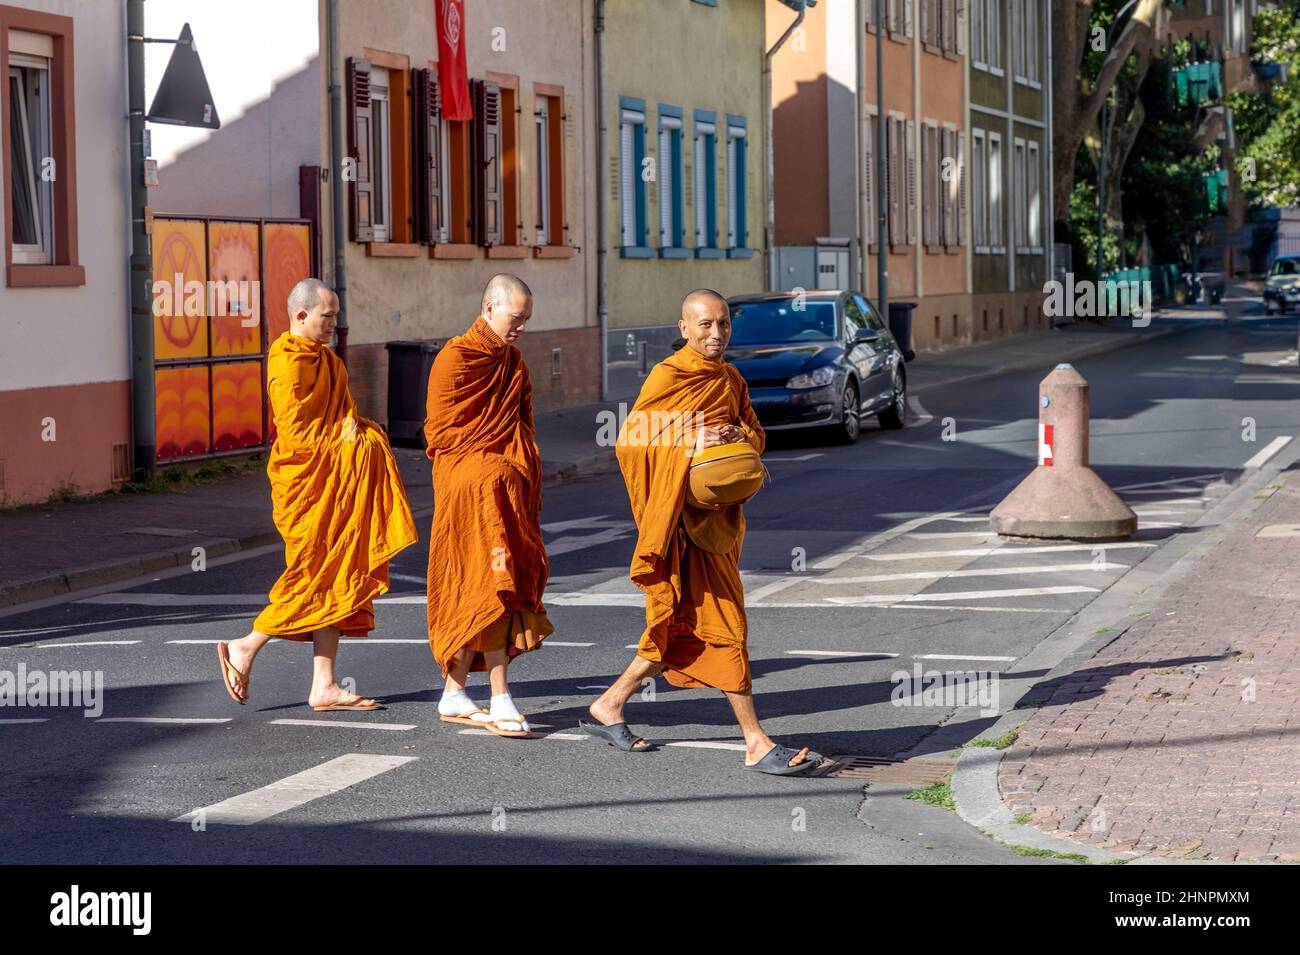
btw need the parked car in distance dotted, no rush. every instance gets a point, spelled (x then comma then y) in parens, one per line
(822, 359)
(1282, 286)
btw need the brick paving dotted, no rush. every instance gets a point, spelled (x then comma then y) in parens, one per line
(1182, 737)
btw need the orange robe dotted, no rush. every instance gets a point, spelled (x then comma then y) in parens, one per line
(337, 496)
(487, 563)
(687, 559)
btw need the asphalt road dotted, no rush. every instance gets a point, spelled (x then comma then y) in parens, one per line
(859, 561)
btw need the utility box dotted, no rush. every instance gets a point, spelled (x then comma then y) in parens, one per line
(409, 365)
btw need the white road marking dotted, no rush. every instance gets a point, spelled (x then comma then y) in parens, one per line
(162, 719)
(561, 643)
(43, 719)
(409, 578)
(560, 735)
(1158, 512)
(297, 790)
(939, 535)
(89, 643)
(831, 561)
(801, 457)
(566, 545)
(918, 409)
(1003, 549)
(584, 599)
(178, 600)
(396, 727)
(988, 572)
(841, 653)
(1270, 449)
(962, 595)
(579, 524)
(701, 744)
(1178, 482)
(958, 656)
(969, 607)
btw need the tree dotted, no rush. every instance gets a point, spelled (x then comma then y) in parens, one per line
(1079, 92)
(1267, 122)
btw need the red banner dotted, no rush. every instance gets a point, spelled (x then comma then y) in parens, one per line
(453, 76)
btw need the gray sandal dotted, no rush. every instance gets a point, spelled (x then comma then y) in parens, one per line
(777, 762)
(616, 735)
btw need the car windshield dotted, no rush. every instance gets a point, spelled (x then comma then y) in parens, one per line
(1285, 266)
(782, 320)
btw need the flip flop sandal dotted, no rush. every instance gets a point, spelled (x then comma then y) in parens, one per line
(467, 719)
(227, 668)
(496, 727)
(352, 704)
(617, 735)
(777, 762)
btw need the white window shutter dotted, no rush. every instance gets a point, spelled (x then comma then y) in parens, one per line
(627, 183)
(961, 188)
(909, 16)
(664, 166)
(911, 182)
(869, 182)
(961, 27)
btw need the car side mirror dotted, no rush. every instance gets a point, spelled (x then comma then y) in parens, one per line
(865, 335)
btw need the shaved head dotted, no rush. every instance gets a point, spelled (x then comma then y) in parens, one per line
(502, 287)
(706, 322)
(507, 306)
(700, 298)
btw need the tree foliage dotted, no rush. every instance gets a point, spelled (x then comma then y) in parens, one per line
(1267, 123)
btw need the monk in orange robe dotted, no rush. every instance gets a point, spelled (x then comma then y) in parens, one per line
(487, 563)
(338, 503)
(687, 558)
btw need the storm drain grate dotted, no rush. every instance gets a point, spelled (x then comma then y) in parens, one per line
(918, 771)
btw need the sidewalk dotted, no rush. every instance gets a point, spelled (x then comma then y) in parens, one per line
(1182, 737)
(57, 548)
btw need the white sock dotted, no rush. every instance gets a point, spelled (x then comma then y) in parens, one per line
(455, 703)
(503, 708)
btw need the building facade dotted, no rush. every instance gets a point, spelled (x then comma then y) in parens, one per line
(683, 179)
(1010, 165)
(65, 389)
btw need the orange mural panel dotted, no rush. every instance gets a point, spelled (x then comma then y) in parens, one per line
(288, 261)
(180, 300)
(181, 411)
(236, 405)
(234, 292)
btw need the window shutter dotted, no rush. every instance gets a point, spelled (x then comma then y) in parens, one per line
(427, 124)
(487, 116)
(567, 185)
(361, 186)
(927, 21)
(910, 173)
(909, 15)
(870, 224)
(665, 169)
(627, 183)
(961, 188)
(927, 184)
(961, 27)
(892, 172)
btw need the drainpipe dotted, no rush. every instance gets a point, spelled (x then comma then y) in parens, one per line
(770, 225)
(144, 435)
(859, 117)
(882, 206)
(336, 180)
(1049, 229)
(602, 252)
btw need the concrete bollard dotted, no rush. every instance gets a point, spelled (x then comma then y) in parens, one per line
(1063, 496)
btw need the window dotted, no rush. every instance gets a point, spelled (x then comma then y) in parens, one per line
(31, 188)
(381, 154)
(872, 225)
(873, 317)
(632, 195)
(951, 161)
(705, 173)
(672, 202)
(488, 149)
(995, 192)
(432, 185)
(1027, 42)
(977, 34)
(737, 187)
(38, 192)
(979, 190)
(1034, 192)
(943, 26)
(931, 185)
(993, 35)
(542, 163)
(900, 145)
(1019, 178)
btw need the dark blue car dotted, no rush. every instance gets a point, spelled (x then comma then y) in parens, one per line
(817, 360)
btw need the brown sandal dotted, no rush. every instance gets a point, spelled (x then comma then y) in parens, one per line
(227, 668)
(520, 733)
(352, 704)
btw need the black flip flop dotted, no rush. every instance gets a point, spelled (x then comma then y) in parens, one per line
(777, 762)
(616, 735)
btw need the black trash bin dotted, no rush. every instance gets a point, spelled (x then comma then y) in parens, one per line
(900, 325)
(409, 364)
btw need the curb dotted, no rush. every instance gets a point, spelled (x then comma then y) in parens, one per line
(975, 790)
(112, 571)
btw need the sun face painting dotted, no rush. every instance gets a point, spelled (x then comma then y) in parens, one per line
(234, 275)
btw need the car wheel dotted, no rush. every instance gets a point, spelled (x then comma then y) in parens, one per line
(850, 426)
(895, 416)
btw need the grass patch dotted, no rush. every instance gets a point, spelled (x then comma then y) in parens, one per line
(1048, 854)
(940, 794)
(1002, 742)
(178, 477)
(1022, 818)
(1101, 630)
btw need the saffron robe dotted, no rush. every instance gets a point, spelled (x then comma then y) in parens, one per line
(687, 558)
(336, 494)
(486, 556)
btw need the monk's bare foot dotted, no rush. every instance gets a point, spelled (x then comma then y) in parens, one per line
(606, 715)
(242, 660)
(334, 695)
(754, 752)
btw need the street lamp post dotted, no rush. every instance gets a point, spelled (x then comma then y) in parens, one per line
(1101, 152)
